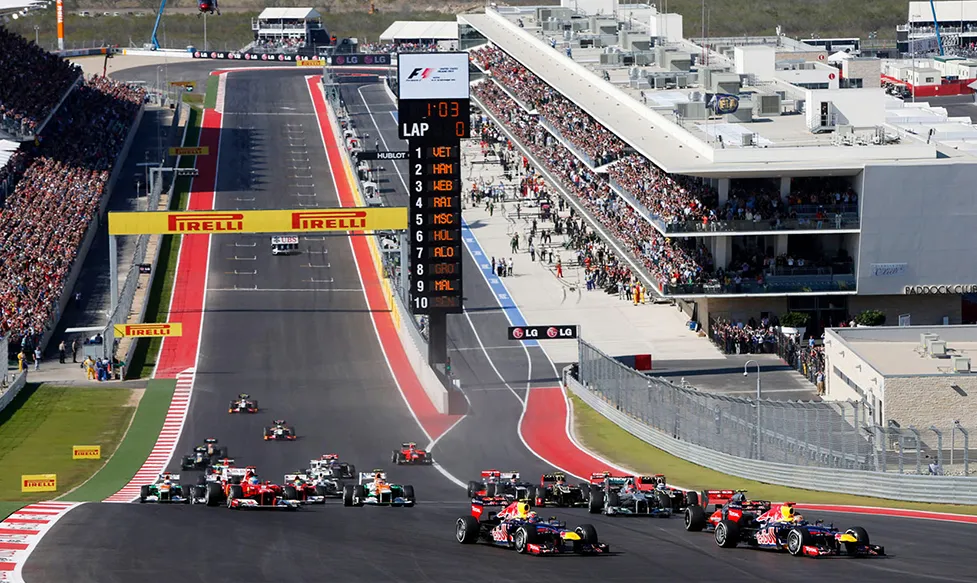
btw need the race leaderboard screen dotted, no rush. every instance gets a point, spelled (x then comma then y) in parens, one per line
(435, 228)
(434, 115)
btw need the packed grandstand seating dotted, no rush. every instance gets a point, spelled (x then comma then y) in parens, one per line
(32, 82)
(672, 199)
(398, 47)
(669, 261)
(57, 187)
(573, 124)
(284, 44)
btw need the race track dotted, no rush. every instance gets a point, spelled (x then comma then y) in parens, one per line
(303, 344)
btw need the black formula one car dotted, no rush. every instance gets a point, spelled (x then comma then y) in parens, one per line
(553, 490)
(495, 483)
(243, 404)
(280, 431)
(203, 455)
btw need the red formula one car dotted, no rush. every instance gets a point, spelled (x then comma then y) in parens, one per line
(729, 504)
(410, 454)
(251, 492)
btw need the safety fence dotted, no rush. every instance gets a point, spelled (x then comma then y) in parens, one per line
(829, 446)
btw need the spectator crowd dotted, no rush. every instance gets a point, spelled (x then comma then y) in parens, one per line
(32, 82)
(671, 199)
(56, 187)
(284, 44)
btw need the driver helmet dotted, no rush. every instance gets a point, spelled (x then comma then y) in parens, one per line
(787, 513)
(167, 482)
(522, 510)
(661, 486)
(532, 517)
(561, 479)
(738, 498)
(254, 481)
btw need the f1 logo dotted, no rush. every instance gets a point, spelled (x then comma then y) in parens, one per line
(421, 72)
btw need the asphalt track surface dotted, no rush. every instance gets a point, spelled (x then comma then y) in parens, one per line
(312, 358)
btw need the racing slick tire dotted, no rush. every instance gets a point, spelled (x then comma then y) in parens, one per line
(695, 518)
(524, 536)
(861, 535)
(348, 495)
(395, 457)
(236, 492)
(491, 490)
(727, 534)
(595, 504)
(664, 500)
(409, 493)
(253, 409)
(540, 496)
(321, 490)
(290, 493)
(613, 499)
(588, 533)
(359, 494)
(336, 473)
(473, 488)
(797, 539)
(213, 495)
(143, 494)
(467, 530)
(691, 498)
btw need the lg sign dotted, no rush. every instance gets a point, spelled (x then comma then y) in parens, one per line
(566, 332)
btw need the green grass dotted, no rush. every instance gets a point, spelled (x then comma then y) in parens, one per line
(147, 349)
(8, 508)
(603, 437)
(134, 450)
(39, 428)
(210, 99)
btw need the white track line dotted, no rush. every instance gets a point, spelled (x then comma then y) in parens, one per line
(21, 532)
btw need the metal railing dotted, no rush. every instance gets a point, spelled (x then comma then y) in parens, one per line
(830, 435)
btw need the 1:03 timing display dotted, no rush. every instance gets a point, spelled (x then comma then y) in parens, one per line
(445, 119)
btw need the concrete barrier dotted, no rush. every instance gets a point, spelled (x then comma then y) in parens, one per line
(13, 390)
(414, 345)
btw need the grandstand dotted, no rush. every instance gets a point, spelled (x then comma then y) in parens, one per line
(55, 185)
(291, 31)
(742, 178)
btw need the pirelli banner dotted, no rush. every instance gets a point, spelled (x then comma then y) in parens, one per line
(276, 221)
(148, 330)
(39, 483)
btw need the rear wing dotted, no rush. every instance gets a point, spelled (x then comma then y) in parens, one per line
(717, 497)
(293, 477)
(210, 440)
(597, 477)
(547, 478)
(236, 471)
(168, 476)
(508, 475)
(368, 476)
(491, 473)
(330, 457)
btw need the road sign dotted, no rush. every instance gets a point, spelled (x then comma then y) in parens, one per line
(564, 332)
(378, 155)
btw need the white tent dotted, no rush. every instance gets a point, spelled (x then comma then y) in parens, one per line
(839, 57)
(407, 30)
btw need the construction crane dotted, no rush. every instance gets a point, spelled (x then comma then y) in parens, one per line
(204, 7)
(936, 26)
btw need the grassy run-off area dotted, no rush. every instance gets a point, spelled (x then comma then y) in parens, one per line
(39, 428)
(606, 439)
(147, 350)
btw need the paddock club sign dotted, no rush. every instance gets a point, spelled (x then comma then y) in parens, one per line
(939, 290)
(276, 221)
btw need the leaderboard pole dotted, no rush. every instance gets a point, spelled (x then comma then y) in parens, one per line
(434, 115)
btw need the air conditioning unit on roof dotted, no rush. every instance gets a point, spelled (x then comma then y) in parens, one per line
(937, 348)
(961, 364)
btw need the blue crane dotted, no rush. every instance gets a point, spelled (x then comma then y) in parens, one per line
(159, 18)
(936, 26)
